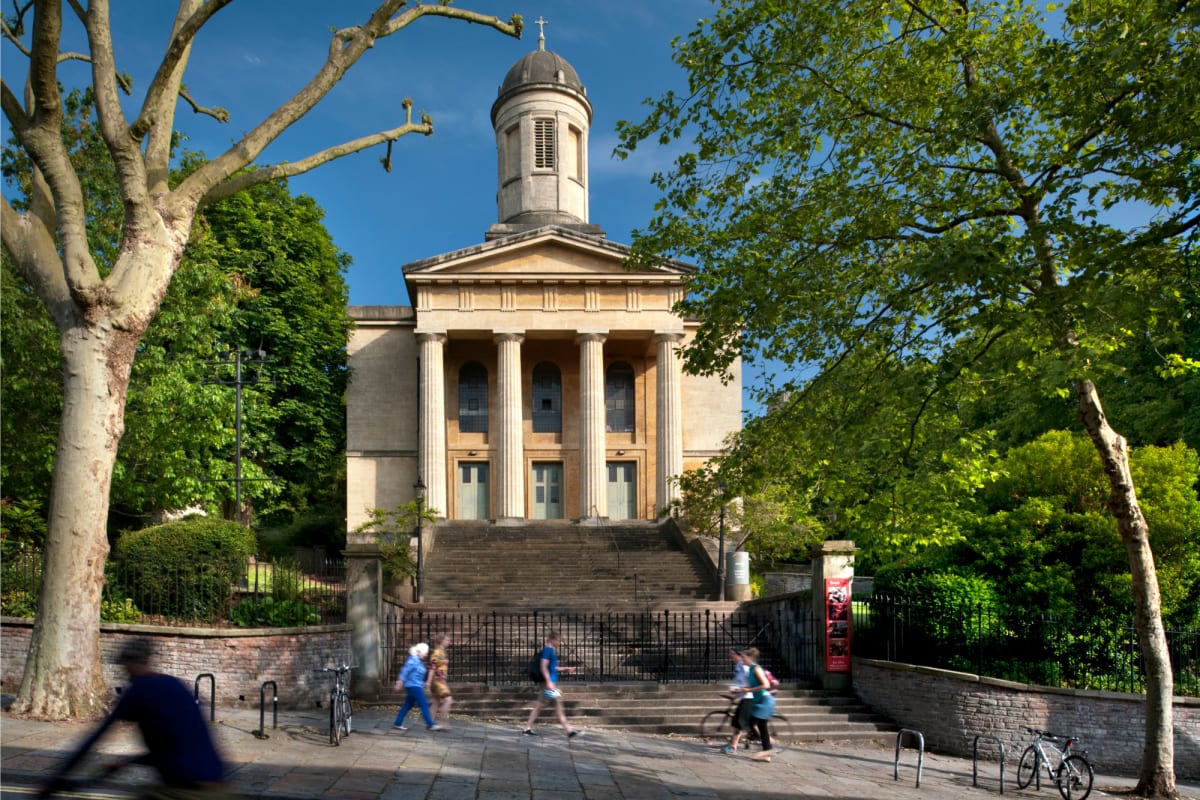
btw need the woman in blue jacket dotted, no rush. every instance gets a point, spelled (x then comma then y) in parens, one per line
(414, 677)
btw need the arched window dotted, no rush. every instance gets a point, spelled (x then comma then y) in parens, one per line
(618, 397)
(472, 398)
(547, 398)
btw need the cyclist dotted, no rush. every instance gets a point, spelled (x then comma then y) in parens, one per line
(741, 717)
(180, 747)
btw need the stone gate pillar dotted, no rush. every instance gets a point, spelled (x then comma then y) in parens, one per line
(364, 605)
(833, 560)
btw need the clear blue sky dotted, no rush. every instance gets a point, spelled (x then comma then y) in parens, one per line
(440, 195)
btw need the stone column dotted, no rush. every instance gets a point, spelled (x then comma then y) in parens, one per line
(593, 484)
(431, 448)
(510, 451)
(670, 419)
(364, 607)
(833, 559)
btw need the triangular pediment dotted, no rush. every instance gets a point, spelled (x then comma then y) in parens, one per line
(546, 253)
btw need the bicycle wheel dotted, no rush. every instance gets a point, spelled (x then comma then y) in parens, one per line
(347, 715)
(781, 730)
(715, 724)
(1075, 776)
(1028, 766)
(335, 721)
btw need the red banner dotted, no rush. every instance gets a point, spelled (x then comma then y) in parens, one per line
(837, 624)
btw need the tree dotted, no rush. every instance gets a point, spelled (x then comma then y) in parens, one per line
(916, 181)
(101, 311)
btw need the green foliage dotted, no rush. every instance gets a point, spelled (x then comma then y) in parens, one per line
(268, 611)
(22, 527)
(20, 582)
(119, 610)
(182, 569)
(315, 528)
(394, 531)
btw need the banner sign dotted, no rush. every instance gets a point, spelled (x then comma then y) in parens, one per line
(837, 624)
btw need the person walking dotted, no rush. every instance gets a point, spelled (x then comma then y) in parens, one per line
(763, 704)
(178, 742)
(413, 677)
(550, 692)
(741, 717)
(439, 666)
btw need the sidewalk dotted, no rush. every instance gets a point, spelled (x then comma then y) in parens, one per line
(486, 761)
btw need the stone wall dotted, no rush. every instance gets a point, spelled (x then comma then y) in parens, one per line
(951, 708)
(239, 660)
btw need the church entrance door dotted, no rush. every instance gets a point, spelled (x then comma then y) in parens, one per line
(473, 491)
(547, 491)
(622, 495)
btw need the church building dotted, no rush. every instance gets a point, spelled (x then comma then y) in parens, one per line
(534, 376)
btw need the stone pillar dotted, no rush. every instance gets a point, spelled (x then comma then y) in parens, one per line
(670, 419)
(593, 481)
(834, 559)
(510, 452)
(364, 607)
(431, 449)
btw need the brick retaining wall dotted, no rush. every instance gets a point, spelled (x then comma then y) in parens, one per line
(951, 708)
(240, 660)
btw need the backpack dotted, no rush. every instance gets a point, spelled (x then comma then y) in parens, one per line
(535, 669)
(772, 681)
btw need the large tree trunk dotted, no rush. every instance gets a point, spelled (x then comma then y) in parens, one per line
(1157, 778)
(62, 677)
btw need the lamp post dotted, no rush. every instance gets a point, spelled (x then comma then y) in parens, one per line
(721, 547)
(238, 359)
(419, 488)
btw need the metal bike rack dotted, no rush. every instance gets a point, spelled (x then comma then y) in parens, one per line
(212, 694)
(261, 733)
(920, 753)
(975, 759)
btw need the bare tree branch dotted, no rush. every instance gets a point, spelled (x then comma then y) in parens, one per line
(217, 113)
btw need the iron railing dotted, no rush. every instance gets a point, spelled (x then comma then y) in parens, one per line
(1017, 644)
(665, 647)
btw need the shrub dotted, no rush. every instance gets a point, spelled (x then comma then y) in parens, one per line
(20, 583)
(183, 569)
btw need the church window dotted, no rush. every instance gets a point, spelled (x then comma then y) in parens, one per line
(543, 144)
(547, 398)
(473, 398)
(618, 398)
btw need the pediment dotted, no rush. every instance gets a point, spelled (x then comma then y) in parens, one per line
(545, 254)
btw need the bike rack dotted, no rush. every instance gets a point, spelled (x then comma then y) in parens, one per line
(212, 694)
(920, 753)
(261, 733)
(975, 759)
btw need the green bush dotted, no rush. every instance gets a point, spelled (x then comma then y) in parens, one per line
(20, 583)
(253, 612)
(185, 569)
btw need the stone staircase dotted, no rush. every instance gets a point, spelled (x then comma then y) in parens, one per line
(561, 568)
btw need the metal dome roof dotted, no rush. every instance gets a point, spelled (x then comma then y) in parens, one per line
(542, 69)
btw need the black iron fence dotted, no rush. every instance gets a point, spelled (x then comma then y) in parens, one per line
(665, 647)
(1017, 644)
(217, 593)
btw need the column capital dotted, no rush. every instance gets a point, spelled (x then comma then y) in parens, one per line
(432, 336)
(508, 336)
(591, 336)
(667, 336)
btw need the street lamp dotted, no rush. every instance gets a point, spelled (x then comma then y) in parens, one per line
(238, 359)
(419, 488)
(721, 547)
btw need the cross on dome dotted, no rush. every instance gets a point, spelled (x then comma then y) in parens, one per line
(541, 23)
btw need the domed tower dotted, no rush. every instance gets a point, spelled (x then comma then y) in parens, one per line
(541, 117)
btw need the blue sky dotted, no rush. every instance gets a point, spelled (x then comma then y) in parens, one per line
(440, 194)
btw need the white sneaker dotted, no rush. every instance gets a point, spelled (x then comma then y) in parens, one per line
(434, 727)
(399, 728)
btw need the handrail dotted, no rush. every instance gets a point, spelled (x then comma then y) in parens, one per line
(212, 694)
(975, 759)
(262, 709)
(920, 753)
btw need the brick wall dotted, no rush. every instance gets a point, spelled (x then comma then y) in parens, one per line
(239, 660)
(951, 708)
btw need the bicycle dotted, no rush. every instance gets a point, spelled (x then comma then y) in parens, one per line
(340, 711)
(1071, 772)
(719, 723)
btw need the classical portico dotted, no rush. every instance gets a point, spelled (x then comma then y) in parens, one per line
(534, 375)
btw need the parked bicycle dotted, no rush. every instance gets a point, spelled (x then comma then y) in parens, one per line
(1071, 772)
(719, 724)
(340, 710)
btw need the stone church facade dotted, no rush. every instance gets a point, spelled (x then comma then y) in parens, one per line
(534, 376)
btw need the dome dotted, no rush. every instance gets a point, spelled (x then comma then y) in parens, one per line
(542, 69)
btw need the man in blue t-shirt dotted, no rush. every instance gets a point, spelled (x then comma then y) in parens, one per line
(176, 736)
(550, 692)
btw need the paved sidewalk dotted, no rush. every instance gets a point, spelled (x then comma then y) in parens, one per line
(488, 761)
